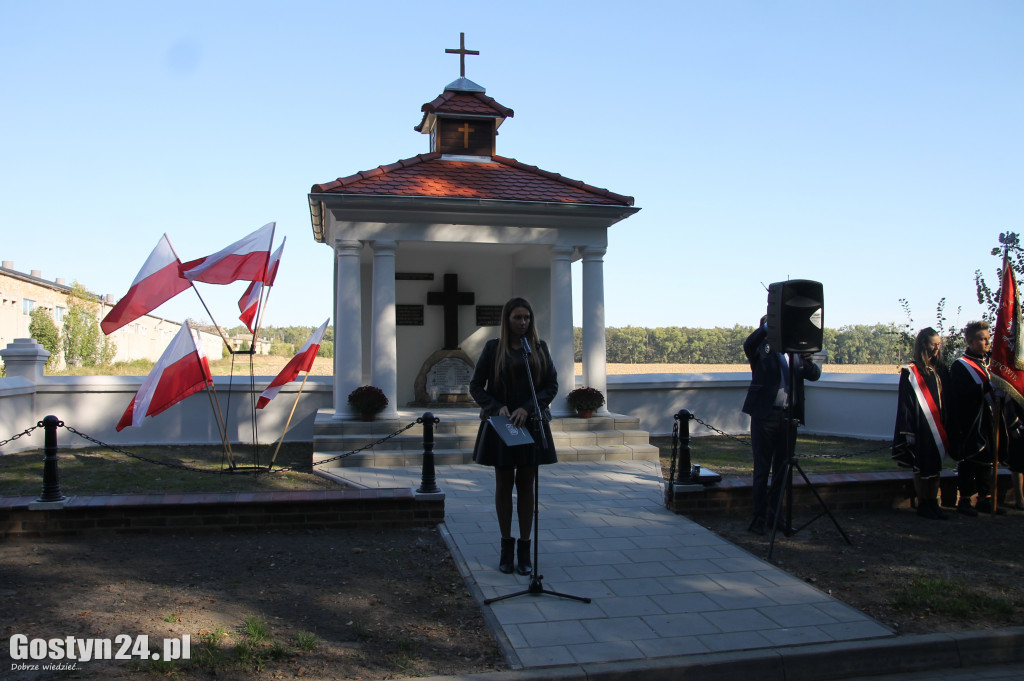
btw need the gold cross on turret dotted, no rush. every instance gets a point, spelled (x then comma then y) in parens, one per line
(462, 52)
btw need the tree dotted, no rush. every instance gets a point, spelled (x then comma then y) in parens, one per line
(44, 330)
(84, 342)
(1009, 243)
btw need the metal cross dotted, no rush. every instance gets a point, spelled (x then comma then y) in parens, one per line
(462, 52)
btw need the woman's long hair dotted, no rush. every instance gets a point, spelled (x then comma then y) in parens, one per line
(505, 342)
(922, 345)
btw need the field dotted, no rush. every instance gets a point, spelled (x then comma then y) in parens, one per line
(270, 366)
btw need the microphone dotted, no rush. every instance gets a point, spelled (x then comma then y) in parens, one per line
(526, 346)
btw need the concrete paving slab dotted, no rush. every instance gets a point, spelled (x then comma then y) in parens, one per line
(660, 585)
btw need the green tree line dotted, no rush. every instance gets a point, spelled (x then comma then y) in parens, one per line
(852, 344)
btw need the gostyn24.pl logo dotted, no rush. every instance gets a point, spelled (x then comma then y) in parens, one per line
(35, 654)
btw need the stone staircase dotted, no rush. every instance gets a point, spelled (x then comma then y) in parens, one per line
(610, 437)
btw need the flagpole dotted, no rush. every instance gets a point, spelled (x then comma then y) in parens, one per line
(288, 422)
(999, 401)
(193, 285)
(222, 425)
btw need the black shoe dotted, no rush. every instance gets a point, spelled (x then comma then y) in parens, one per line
(985, 506)
(524, 567)
(966, 509)
(508, 548)
(930, 509)
(757, 527)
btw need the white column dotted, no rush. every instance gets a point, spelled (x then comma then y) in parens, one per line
(594, 350)
(348, 344)
(561, 327)
(384, 345)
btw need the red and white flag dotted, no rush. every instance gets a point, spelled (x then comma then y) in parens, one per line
(248, 304)
(302, 361)
(1007, 363)
(244, 260)
(181, 371)
(158, 281)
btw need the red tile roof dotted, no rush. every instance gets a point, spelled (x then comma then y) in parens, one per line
(503, 178)
(465, 103)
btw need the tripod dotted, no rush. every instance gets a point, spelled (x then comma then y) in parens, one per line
(536, 586)
(790, 423)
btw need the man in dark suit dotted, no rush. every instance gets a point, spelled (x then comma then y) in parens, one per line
(767, 402)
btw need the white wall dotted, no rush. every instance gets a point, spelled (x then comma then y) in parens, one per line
(856, 405)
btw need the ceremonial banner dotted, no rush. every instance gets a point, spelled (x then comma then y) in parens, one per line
(1007, 363)
(181, 371)
(244, 260)
(302, 361)
(158, 281)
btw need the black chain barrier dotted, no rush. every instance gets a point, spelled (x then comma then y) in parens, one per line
(27, 431)
(185, 467)
(848, 455)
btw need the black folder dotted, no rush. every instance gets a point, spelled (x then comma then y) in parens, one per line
(511, 434)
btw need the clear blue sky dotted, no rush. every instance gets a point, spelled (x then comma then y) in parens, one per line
(874, 146)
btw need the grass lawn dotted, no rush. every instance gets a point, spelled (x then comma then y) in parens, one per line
(815, 453)
(162, 469)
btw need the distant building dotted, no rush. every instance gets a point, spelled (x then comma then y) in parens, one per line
(145, 338)
(242, 343)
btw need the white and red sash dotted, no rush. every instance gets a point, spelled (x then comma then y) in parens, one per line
(979, 373)
(928, 407)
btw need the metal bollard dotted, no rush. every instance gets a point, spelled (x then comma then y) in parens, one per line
(684, 474)
(428, 481)
(51, 480)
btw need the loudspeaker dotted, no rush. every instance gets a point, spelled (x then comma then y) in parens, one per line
(796, 316)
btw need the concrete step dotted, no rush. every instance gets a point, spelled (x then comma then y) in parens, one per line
(611, 437)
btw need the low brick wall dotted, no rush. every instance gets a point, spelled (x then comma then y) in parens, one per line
(840, 492)
(22, 517)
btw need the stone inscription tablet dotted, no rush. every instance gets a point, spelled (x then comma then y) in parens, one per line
(409, 315)
(449, 376)
(488, 315)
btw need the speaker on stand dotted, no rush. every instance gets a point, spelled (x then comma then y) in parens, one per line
(795, 320)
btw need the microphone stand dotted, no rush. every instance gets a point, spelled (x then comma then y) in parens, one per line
(536, 587)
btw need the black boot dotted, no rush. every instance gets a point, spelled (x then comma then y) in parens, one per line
(525, 567)
(508, 548)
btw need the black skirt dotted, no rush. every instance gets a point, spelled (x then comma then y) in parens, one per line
(490, 450)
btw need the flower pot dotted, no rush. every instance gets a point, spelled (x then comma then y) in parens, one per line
(585, 413)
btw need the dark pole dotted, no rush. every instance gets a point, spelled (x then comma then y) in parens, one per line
(51, 480)
(683, 474)
(428, 482)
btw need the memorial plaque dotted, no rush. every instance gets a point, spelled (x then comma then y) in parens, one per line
(409, 315)
(449, 376)
(414, 276)
(488, 315)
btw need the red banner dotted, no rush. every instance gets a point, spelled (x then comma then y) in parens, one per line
(1007, 364)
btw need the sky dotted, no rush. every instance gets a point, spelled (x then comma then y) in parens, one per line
(872, 146)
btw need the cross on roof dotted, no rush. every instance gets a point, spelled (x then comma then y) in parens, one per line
(462, 52)
(451, 299)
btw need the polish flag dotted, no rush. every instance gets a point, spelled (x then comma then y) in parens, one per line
(1007, 362)
(158, 281)
(244, 260)
(302, 361)
(249, 302)
(181, 371)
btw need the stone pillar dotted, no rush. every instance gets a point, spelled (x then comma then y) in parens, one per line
(561, 327)
(348, 344)
(383, 343)
(25, 358)
(595, 370)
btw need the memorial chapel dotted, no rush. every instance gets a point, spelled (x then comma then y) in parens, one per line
(428, 249)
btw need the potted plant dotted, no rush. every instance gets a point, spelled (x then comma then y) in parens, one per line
(368, 401)
(585, 400)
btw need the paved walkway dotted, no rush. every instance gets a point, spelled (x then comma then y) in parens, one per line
(660, 585)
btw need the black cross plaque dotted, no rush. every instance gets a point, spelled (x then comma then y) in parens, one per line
(451, 299)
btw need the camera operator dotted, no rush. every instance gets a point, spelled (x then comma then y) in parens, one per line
(768, 403)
